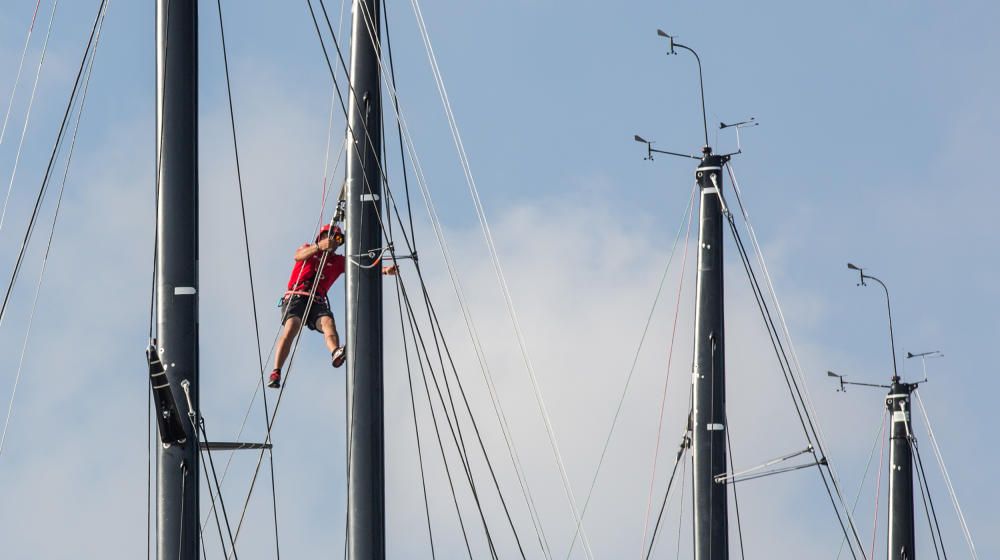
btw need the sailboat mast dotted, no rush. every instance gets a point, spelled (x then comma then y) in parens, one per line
(366, 467)
(177, 513)
(901, 540)
(711, 522)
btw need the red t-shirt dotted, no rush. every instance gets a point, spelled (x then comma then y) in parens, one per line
(304, 273)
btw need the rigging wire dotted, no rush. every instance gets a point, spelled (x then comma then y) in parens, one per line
(803, 414)
(48, 170)
(399, 127)
(498, 269)
(55, 218)
(222, 503)
(27, 116)
(277, 404)
(259, 382)
(218, 525)
(253, 292)
(149, 474)
(180, 530)
(416, 424)
(456, 427)
(455, 430)
(879, 437)
(436, 324)
(290, 362)
(736, 500)
(795, 384)
(422, 182)
(390, 197)
(878, 482)
(329, 135)
(947, 479)
(498, 410)
(258, 387)
(274, 412)
(804, 389)
(925, 491)
(296, 341)
(681, 452)
(680, 509)
(437, 432)
(670, 356)
(440, 342)
(20, 66)
(928, 504)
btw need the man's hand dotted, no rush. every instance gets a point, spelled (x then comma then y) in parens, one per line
(324, 244)
(390, 270)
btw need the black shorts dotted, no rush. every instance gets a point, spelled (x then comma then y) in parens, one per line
(295, 306)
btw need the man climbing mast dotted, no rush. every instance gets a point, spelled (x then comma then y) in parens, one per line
(308, 260)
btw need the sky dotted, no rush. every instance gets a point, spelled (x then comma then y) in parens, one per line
(877, 124)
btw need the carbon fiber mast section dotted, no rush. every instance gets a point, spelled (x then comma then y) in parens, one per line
(901, 541)
(366, 468)
(177, 526)
(711, 522)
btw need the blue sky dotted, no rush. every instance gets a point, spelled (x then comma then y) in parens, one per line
(877, 128)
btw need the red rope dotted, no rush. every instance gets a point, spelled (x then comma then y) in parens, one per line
(878, 486)
(670, 354)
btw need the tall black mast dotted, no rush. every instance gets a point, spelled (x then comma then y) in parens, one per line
(901, 534)
(366, 467)
(711, 522)
(177, 268)
(708, 380)
(901, 537)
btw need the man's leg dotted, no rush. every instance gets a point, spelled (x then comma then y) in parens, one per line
(288, 332)
(329, 329)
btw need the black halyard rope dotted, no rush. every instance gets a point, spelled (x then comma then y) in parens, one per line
(663, 506)
(736, 500)
(416, 425)
(246, 241)
(436, 324)
(460, 447)
(927, 512)
(399, 126)
(52, 158)
(805, 418)
(180, 530)
(420, 361)
(789, 380)
(928, 500)
(211, 495)
(409, 245)
(222, 502)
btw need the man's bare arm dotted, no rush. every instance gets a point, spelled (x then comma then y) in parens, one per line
(307, 251)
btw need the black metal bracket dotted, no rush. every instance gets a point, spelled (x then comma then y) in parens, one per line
(844, 383)
(650, 150)
(171, 429)
(231, 445)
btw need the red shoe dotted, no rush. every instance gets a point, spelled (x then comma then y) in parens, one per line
(274, 381)
(339, 355)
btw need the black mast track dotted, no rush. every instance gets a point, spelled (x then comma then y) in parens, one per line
(177, 524)
(366, 465)
(711, 521)
(901, 539)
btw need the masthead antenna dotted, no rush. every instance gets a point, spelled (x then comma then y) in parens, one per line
(701, 82)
